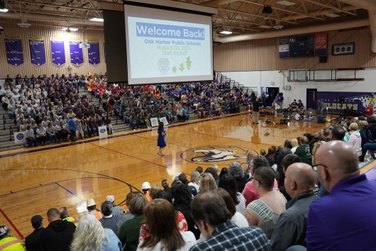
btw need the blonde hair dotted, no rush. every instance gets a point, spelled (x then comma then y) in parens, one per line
(195, 177)
(316, 146)
(362, 124)
(215, 167)
(89, 234)
(207, 182)
(294, 142)
(353, 126)
(155, 189)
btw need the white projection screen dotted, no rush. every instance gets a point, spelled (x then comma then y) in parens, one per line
(167, 46)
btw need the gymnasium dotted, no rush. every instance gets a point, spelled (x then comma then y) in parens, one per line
(322, 53)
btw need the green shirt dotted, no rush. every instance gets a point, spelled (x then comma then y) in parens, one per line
(304, 153)
(129, 232)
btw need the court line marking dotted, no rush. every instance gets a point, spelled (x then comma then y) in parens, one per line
(147, 161)
(97, 138)
(66, 189)
(11, 223)
(99, 176)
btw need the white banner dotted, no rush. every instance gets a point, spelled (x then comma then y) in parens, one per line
(102, 131)
(164, 120)
(19, 138)
(155, 121)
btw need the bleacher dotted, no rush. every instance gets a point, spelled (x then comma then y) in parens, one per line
(8, 127)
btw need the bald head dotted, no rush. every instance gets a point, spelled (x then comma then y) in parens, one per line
(338, 155)
(300, 178)
(336, 161)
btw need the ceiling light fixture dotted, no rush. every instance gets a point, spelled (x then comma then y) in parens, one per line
(285, 3)
(264, 26)
(267, 9)
(96, 19)
(225, 32)
(278, 26)
(69, 29)
(331, 15)
(4, 10)
(24, 24)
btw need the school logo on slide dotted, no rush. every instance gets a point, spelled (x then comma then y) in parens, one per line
(209, 154)
(164, 65)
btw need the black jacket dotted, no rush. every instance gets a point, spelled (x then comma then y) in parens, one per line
(33, 242)
(58, 236)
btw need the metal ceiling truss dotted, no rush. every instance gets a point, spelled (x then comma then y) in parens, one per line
(239, 16)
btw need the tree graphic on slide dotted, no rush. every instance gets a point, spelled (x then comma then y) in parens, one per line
(188, 63)
(181, 68)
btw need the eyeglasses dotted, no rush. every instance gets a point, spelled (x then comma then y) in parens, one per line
(314, 167)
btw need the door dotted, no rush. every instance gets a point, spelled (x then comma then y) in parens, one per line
(311, 99)
(271, 92)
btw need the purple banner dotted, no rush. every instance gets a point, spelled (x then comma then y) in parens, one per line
(13, 48)
(58, 52)
(37, 52)
(284, 48)
(339, 102)
(76, 55)
(93, 52)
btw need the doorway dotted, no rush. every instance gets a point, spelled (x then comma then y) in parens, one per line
(271, 93)
(312, 99)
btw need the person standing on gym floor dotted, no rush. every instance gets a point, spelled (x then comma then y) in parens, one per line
(161, 138)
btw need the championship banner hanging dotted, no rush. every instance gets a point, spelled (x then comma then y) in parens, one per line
(76, 55)
(93, 52)
(13, 48)
(283, 48)
(37, 50)
(321, 44)
(57, 52)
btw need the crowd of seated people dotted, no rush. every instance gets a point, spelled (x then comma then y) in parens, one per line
(41, 106)
(33, 100)
(44, 104)
(209, 99)
(137, 105)
(280, 193)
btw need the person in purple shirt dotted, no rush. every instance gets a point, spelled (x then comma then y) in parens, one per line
(345, 218)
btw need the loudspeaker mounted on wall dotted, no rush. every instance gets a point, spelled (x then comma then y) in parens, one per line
(343, 49)
(323, 59)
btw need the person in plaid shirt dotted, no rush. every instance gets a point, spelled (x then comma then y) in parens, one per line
(212, 217)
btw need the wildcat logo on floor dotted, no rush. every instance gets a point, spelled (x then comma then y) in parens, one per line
(206, 154)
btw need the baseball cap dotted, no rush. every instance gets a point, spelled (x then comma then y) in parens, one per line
(4, 230)
(90, 202)
(110, 198)
(36, 219)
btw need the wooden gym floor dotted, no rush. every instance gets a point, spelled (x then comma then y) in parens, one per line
(36, 179)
